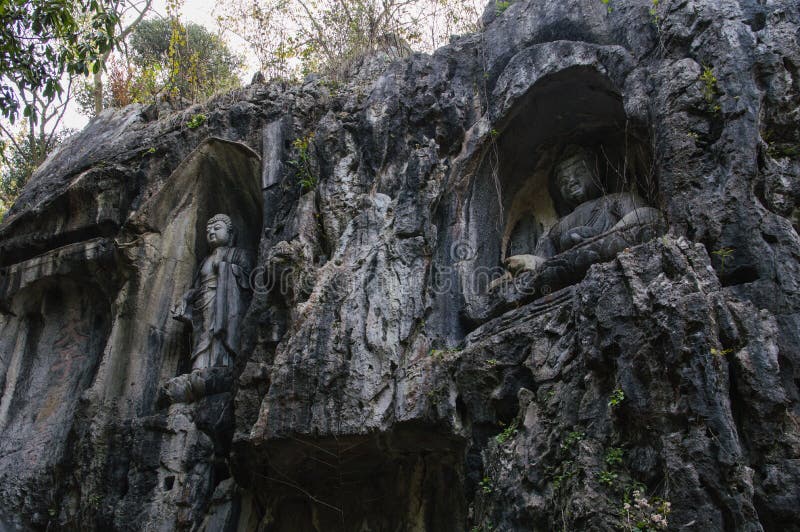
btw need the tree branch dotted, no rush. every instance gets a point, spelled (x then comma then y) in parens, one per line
(10, 136)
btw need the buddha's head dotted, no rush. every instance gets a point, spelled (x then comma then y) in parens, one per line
(219, 231)
(575, 177)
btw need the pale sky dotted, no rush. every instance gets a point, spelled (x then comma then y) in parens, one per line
(199, 12)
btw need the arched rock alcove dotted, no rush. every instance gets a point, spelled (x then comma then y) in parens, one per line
(512, 199)
(219, 176)
(166, 243)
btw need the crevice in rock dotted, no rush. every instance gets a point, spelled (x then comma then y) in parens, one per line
(11, 254)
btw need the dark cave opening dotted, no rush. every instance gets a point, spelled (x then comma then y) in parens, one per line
(344, 483)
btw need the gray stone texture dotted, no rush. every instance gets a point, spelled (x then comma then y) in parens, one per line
(379, 387)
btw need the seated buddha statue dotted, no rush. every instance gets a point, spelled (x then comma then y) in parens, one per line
(590, 215)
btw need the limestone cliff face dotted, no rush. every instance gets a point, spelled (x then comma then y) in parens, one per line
(382, 384)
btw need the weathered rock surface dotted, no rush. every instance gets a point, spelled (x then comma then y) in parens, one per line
(380, 387)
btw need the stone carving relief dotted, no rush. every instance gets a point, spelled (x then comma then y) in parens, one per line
(592, 215)
(217, 301)
(595, 225)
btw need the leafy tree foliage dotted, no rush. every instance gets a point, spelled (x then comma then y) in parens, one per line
(138, 9)
(44, 45)
(41, 40)
(18, 163)
(165, 57)
(201, 63)
(291, 37)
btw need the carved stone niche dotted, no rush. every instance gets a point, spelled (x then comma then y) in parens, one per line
(542, 234)
(218, 177)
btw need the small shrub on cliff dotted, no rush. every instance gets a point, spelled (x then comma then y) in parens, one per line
(606, 477)
(500, 6)
(572, 439)
(654, 13)
(486, 526)
(441, 353)
(617, 396)
(93, 501)
(723, 254)
(614, 456)
(196, 121)
(782, 150)
(302, 162)
(567, 471)
(710, 90)
(509, 432)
